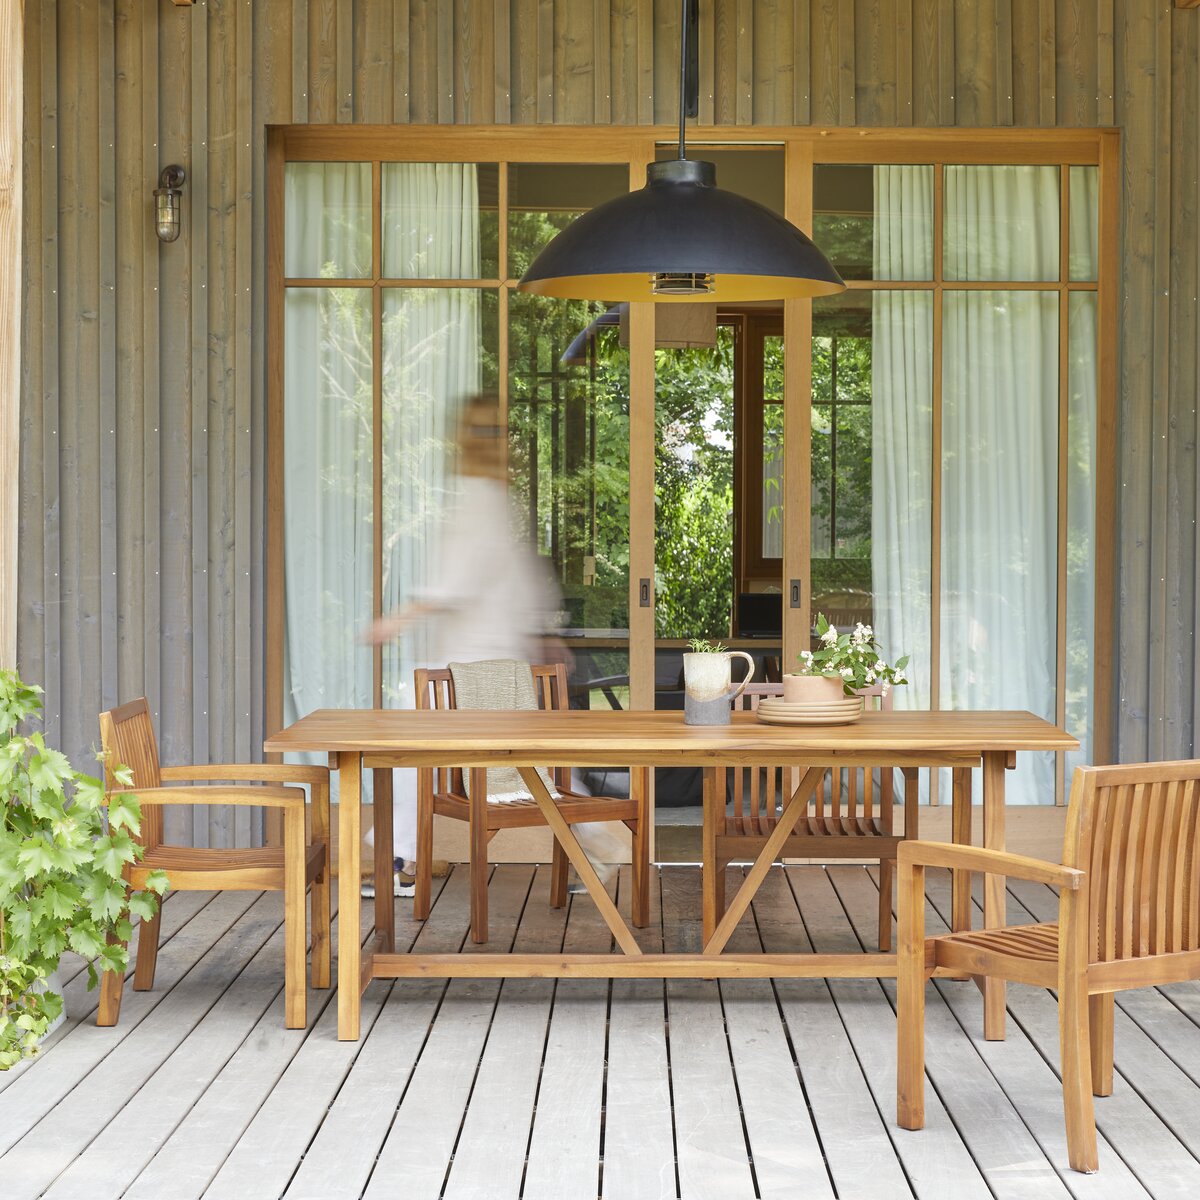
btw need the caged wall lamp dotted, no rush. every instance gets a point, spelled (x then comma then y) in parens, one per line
(168, 203)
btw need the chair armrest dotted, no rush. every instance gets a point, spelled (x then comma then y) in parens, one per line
(256, 772)
(268, 797)
(993, 862)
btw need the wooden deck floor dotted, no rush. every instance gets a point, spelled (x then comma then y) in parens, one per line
(577, 1089)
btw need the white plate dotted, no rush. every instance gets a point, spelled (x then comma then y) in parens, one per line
(798, 718)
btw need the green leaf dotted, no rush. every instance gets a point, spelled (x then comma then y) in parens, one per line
(84, 940)
(143, 905)
(36, 857)
(158, 882)
(124, 812)
(48, 769)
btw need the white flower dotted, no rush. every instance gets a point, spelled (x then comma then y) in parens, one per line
(900, 677)
(847, 672)
(870, 676)
(886, 686)
(880, 665)
(830, 636)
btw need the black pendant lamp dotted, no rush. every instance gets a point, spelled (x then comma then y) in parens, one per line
(681, 238)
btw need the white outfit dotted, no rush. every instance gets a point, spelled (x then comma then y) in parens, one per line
(493, 598)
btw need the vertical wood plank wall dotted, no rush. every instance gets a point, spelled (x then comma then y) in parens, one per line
(143, 498)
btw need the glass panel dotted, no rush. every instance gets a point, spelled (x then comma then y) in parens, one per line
(1081, 534)
(1084, 257)
(327, 220)
(999, 503)
(441, 221)
(772, 497)
(544, 198)
(875, 222)
(693, 490)
(1001, 223)
(439, 349)
(568, 430)
(327, 499)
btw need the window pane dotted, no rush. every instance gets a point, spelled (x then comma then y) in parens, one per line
(327, 220)
(693, 490)
(327, 499)
(1001, 223)
(440, 220)
(439, 349)
(999, 512)
(875, 222)
(568, 431)
(1084, 257)
(1081, 534)
(544, 198)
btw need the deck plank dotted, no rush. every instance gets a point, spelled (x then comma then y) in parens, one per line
(417, 1153)
(855, 1137)
(709, 1140)
(35, 1093)
(564, 1144)
(639, 1139)
(90, 1107)
(489, 1159)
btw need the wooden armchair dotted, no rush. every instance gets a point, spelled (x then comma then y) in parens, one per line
(850, 816)
(441, 791)
(127, 734)
(1128, 917)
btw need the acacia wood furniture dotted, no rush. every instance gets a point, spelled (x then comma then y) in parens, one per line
(127, 734)
(441, 790)
(381, 739)
(849, 816)
(1129, 917)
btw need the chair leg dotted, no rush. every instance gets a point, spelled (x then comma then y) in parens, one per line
(887, 868)
(910, 999)
(559, 865)
(1077, 1077)
(1100, 1037)
(423, 891)
(477, 826)
(639, 907)
(295, 934)
(321, 894)
(112, 984)
(147, 955)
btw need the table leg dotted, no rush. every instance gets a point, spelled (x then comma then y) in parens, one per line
(708, 867)
(385, 902)
(993, 886)
(579, 860)
(349, 903)
(960, 822)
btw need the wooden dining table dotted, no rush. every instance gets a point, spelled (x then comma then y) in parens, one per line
(380, 739)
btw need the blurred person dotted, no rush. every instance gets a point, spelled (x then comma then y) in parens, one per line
(489, 596)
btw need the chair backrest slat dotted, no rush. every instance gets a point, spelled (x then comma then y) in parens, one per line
(853, 797)
(127, 735)
(1136, 830)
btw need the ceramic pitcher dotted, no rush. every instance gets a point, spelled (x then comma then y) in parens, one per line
(708, 689)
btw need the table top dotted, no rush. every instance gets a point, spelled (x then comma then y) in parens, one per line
(564, 736)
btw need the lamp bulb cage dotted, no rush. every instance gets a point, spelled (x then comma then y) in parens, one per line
(168, 203)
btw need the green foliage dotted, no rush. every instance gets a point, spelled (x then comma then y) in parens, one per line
(62, 863)
(700, 646)
(856, 657)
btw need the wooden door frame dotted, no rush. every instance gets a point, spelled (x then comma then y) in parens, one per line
(634, 146)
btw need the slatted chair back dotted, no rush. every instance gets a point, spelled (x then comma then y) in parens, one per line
(844, 796)
(435, 690)
(1135, 829)
(127, 736)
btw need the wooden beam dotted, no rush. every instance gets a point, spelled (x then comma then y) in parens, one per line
(12, 44)
(183, 3)
(1187, 3)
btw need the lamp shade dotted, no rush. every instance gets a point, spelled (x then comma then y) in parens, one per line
(681, 239)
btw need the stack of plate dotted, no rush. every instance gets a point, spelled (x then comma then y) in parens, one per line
(777, 711)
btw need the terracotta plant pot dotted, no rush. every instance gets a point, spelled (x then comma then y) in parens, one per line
(813, 689)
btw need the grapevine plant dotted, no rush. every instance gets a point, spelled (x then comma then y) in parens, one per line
(64, 845)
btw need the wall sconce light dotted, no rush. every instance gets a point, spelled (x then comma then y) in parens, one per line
(168, 203)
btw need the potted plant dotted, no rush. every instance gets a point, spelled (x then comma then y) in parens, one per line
(64, 846)
(843, 663)
(707, 682)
